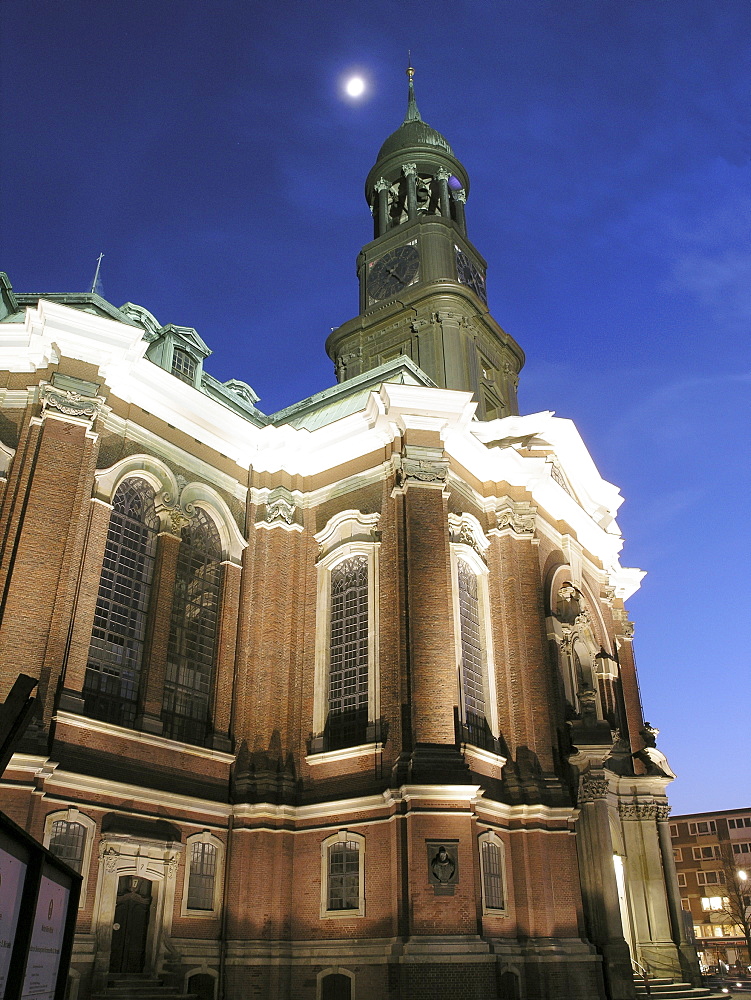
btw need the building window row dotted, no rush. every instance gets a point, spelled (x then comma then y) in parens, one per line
(739, 822)
(346, 703)
(744, 848)
(704, 853)
(710, 878)
(69, 835)
(702, 828)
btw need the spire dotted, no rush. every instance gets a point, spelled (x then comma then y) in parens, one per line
(96, 284)
(413, 114)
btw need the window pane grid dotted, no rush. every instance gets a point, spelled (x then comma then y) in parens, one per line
(344, 876)
(473, 682)
(67, 842)
(348, 653)
(202, 876)
(183, 365)
(117, 640)
(492, 876)
(193, 632)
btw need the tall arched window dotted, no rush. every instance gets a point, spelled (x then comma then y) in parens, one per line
(117, 640)
(194, 625)
(472, 654)
(67, 842)
(348, 654)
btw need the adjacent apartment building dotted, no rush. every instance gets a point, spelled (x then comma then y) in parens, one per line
(712, 853)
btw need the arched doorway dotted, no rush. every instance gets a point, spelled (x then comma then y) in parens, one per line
(336, 986)
(130, 927)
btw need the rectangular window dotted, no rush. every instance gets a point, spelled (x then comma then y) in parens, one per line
(712, 903)
(686, 904)
(677, 854)
(344, 876)
(202, 876)
(491, 859)
(673, 829)
(183, 366)
(710, 878)
(706, 853)
(702, 828)
(67, 842)
(348, 655)
(682, 880)
(744, 848)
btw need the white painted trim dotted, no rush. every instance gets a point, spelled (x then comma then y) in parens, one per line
(136, 736)
(490, 836)
(479, 568)
(204, 837)
(74, 815)
(342, 836)
(347, 534)
(348, 753)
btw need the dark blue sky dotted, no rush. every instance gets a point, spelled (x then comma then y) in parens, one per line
(207, 150)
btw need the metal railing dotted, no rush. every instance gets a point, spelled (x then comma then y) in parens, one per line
(643, 973)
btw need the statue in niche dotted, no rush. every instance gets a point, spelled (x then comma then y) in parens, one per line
(570, 604)
(443, 866)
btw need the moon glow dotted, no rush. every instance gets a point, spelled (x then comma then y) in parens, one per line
(355, 86)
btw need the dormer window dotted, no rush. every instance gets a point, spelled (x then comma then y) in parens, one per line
(184, 366)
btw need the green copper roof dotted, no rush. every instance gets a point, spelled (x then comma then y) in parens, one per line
(413, 131)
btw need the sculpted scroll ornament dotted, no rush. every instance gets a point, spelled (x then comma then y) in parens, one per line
(422, 471)
(69, 402)
(280, 507)
(109, 857)
(517, 516)
(180, 514)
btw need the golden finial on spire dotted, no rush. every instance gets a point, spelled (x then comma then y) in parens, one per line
(410, 70)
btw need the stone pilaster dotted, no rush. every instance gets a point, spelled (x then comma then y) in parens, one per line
(51, 482)
(71, 697)
(157, 637)
(645, 879)
(226, 646)
(599, 885)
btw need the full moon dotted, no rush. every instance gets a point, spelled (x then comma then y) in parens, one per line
(355, 86)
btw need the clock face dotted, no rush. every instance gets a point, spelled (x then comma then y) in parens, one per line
(393, 272)
(469, 275)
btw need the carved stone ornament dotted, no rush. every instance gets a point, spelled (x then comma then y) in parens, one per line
(109, 857)
(638, 810)
(464, 529)
(510, 372)
(517, 516)
(592, 787)
(409, 169)
(171, 867)
(69, 402)
(180, 514)
(624, 627)
(280, 507)
(608, 595)
(422, 471)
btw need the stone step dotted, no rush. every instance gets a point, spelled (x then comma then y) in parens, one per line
(666, 989)
(139, 987)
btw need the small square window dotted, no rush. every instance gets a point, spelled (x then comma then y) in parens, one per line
(183, 366)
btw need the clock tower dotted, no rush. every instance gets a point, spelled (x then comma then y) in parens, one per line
(422, 282)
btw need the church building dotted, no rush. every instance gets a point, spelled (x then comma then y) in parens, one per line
(338, 703)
